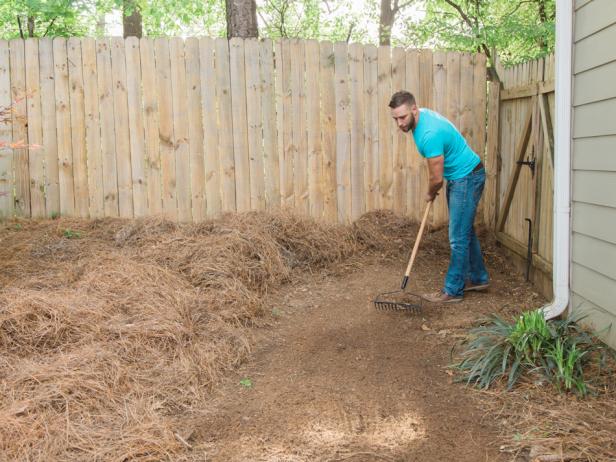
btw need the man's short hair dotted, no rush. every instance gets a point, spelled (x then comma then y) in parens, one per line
(402, 97)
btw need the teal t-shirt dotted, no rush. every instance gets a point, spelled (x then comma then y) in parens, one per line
(435, 135)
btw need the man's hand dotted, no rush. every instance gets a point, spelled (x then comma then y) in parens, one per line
(431, 197)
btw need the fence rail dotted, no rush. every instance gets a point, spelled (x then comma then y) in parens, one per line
(192, 128)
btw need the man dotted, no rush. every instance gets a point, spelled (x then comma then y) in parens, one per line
(449, 157)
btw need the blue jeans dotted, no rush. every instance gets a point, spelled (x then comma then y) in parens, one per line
(466, 262)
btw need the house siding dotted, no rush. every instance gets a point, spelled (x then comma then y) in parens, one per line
(593, 176)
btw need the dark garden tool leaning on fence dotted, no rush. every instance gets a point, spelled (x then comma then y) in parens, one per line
(401, 300)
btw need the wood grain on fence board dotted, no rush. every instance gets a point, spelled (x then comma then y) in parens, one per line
(122, 141)
(225, 126)
(165, 129)
(107, 127)
(385, 129)
(298, 117)
(49, 149)
(414, 200)
(21, 172)
(35, 129)
(6, 135)
(240, 124)
(313, 126)
(439, 101)
(399, 143)
(255, 126)
(371, 129)
(209, 111)
(426, 73)
(152, 162)
(78, 128)
(195, 129)
(328, 129)
(343, 136)
(63, 126)
(136, 127)
(181, 151)
(92, 130)
(271, 145)
(286, 161)
(357, 92)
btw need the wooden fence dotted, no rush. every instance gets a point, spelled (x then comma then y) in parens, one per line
(192, 128)
(520, 164)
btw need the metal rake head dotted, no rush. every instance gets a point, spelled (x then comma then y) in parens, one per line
(410, 302)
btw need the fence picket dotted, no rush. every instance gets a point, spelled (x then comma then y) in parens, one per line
(63, 125)
(78, 128)
(223, 98)
(439, 101)
(328, 129)
(371, 127)
(165, 129)
(20, 132)
(271, 145)
(152, 162)
(195, 129)
(6, 159)
(240, 124)
(136, 127)
(107, 127)
(399, 141)
(313, 125)
(120, 113)
(213, 193)
(35, 130)
(255, 128)
(180, 149)
(343, 137)
(385, 122)
(414, 200)
(96, 198)
(356, 87)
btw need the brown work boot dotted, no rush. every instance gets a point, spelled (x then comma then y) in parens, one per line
(469, 287)
(441, 297)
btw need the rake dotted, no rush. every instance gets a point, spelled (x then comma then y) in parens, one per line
(401, 300)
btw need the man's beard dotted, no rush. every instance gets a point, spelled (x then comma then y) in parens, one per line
(410, 126)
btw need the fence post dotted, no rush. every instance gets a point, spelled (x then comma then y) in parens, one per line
(490, 209)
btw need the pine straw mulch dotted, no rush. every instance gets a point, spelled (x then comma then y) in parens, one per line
(540, 425)
(113, 332)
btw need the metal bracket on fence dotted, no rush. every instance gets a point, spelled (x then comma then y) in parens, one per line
(531, 163)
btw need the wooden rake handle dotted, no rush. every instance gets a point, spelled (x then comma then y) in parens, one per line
(407, 273)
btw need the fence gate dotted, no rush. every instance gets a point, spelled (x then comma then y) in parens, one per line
(520, 163)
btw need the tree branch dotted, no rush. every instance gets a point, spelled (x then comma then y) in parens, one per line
(469, 22)
(49, 26)
(21, 30)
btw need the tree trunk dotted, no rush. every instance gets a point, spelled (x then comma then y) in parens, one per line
(242, 18)
(31, 26)
(131, 19)
(386, 22)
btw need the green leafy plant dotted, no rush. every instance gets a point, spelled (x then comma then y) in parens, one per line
(556, 350)
(246, 382)
(71, 234)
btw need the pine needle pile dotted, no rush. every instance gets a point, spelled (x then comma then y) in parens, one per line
(113, 332)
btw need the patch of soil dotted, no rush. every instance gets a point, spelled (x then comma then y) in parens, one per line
(333, 379)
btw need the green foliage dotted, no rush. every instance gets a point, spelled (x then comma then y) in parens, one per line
(556, 350)
(518, 30)
(246, 382)
(71, 234)
(40, 18)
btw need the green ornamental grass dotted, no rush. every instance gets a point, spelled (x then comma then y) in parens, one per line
(558, 351)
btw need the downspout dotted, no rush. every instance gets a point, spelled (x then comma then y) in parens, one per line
(562, 161)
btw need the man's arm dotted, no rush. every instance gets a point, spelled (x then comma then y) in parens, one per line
(435, 176)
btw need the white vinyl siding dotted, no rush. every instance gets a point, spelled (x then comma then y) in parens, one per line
(593, 178)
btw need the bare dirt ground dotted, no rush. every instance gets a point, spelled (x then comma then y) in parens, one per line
(333, 379)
